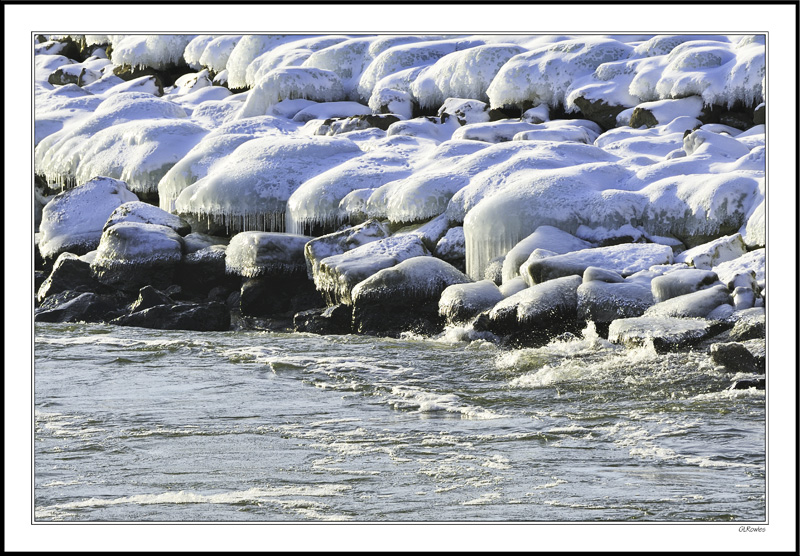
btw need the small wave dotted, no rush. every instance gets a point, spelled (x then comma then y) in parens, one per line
(411, 397)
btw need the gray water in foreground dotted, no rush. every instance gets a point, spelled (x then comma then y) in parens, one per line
(150, 425)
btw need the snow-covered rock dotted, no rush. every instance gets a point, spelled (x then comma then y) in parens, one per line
(342, 241)
(461, 302)
(134, 254)
(711, 254)
(696, 304)
(603, 302)
(754, 261)
(253, 254)
(546, 237)
(403, 297)
(624, 259)
(137, 211)
(338, 274)
(681, 282)
(74, 220)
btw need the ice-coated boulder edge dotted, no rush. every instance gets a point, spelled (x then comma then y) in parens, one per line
(664, 333)
(417, 277)
(252, 254)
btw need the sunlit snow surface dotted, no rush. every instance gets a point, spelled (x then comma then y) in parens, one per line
(266, 157)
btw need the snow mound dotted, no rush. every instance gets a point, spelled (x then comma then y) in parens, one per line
(341, 242)
(74, 220)
(544, 75)
(249, 189)
(416, 277)
(462, 74)
(139, 152)
(405, 56)
(316, 202)
(155, 51)
(292, 83)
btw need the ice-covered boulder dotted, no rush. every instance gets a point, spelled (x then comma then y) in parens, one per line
(681, 282)
(537, 313)
(316, 202)
(709, 255)
(135, 254)
(342, 241)
(138, 152)
(696, 304)
(603, 302)
(461, 302)
(137, 211)
(547, 237)
(651, 114)
(204, 269)
(465, 110)
(252, 254)
(279, 84)
(451, 248)
(249, 189)
(338, 274)
(545, 74)
(73, 221)
(155, 51)
(624, 259)
(404, 297)
(465, 73)
(664, 333)
(754, 261)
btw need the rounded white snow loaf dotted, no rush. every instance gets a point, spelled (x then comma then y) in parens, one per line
(252, 254)
(74, 220)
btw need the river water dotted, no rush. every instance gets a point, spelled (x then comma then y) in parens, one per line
(147, 425)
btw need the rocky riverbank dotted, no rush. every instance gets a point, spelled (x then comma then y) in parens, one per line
(216, 185)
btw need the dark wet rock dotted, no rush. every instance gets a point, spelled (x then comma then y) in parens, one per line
(665, 333)
(39, 276)
(600, 112)
(201, 271)
(328, 320)
(404, 298)
(750, 324)
(83, 307)
(150, 297)
(278, 295)
(69, 273)
(747, 383)
(760, 114)
(735, 358)
(537, 313)
(180, 316)
(165, 77)
(364, 121)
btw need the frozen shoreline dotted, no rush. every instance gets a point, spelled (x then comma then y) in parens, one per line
(518, 188)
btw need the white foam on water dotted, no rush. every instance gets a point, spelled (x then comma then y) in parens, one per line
(487, 498)
(412, 397)
(554, 484)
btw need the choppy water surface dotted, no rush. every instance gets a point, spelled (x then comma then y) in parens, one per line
(140, 425)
